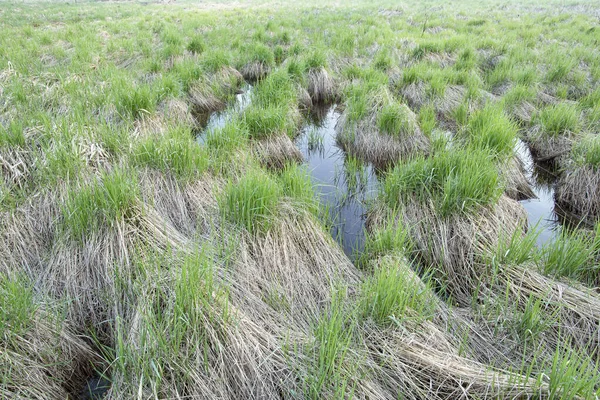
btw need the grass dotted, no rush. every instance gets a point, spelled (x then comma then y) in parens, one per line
(560, 119)
(180, 261)
(18, 307)
(175, 152)
(587, 152)
(396, 119)
(394, 295)
(101, 204)
(490, 130)
(573, 255)
(251, 202)
(455, 182)
(333, 339)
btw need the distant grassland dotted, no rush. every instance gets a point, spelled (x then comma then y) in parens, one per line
(158, 258)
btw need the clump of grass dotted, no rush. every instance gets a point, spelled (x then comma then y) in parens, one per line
(264, 122)
(573, 255)
(572, 375)
(179, 321)
(251, 202)
(534, 319)
(383, 60)
(296, 184)
(587, 152)
(196, 45)
(578, 187)
(17, 309)
(12, 135)
(232, 136)
(99, 204)
(137, 100)
(315, 60)
(214, 60)
(489, 129)
(391, 237)
(560, 119)
(259, 59)
(395, 294)
(427, 119)
(174, 152)
(330, 371)
(396, 119)
(460, 181)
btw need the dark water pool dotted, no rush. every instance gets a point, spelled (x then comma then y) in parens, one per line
(343, 184)
(540, 211)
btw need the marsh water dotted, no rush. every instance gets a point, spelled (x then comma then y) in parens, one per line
(344, 186)
(218, 119)
(540, 211)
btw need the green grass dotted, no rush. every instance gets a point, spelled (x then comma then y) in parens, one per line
(393, 295)
(78, 82)
(587, 152)
(560, 119)
(397, 120)
(90, 207)
(196, 45)
(331, 367)
(490, 130)
(460, 181)
(175, 152)
(18, 307)
(296, 183)
(251, 202)
(573, 255)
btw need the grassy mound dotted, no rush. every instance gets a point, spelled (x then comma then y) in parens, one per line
(377, 128)
(578, 190)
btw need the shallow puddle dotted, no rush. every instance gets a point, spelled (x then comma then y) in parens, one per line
(218, 119)
(343, 185)
(540, 211)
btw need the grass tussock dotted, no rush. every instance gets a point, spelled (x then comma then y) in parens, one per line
(252, 202)
(578, 190)
(379, 129)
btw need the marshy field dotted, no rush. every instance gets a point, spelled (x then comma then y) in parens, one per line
(300, 200)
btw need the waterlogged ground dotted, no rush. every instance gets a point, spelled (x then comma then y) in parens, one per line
(342, 189)
(540, 210)
(172, 176)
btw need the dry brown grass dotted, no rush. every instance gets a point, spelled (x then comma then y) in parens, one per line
(321, 86)
(516, 183)
(46, 361)
(276, 152)
(255, 70)
(546, 147)
(578, 194)
(454, 245)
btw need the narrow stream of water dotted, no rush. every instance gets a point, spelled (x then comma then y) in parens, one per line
(540, 211)
(343, 185)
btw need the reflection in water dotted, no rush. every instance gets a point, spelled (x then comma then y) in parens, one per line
(343, 183)
(540, 211)
(215, 120)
